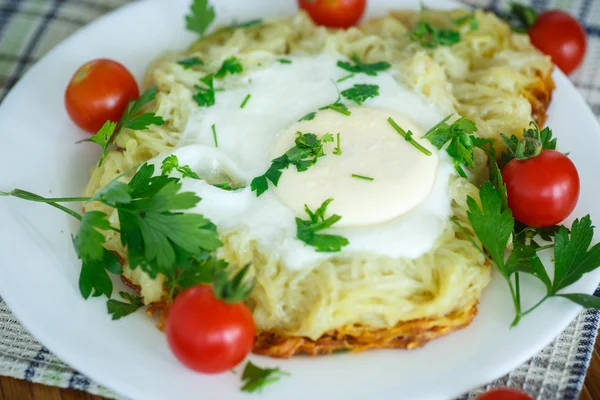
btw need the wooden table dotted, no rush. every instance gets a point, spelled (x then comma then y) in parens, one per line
(13, 389)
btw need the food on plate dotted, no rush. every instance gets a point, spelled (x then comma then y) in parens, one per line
(334, 13)
(98, 92)
(295, 189)
(555, 33)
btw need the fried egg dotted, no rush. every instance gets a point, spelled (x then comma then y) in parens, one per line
(400, 211)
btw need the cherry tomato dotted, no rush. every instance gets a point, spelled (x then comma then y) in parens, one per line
(207, 334)
(99, 91)
(559, 35)
(334, 13)
(505, 394)
(543, 190)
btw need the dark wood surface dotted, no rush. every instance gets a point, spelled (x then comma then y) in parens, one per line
(14, 389)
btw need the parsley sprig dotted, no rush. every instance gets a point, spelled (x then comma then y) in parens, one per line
(205, 95)
(360, 93)
(306, 231)
(119, 309)
(172, 163)
(132, 118)
(460, 139)
(200, 16)
(307, 150)
(190, 62)
(159, 238)
(256, 378)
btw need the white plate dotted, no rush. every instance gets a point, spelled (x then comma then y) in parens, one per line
(39, 270)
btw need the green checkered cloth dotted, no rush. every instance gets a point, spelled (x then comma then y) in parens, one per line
(30, 28)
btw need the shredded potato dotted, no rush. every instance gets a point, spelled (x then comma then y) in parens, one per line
(487, 77)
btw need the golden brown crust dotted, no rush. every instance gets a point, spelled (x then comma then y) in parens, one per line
(539, 96)
(405, 335)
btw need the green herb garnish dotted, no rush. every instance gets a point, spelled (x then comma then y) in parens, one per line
(256, 378)
(190, 62)
(132, 118)
(214, 132)
(430, 36)
(358, 66)
(303, 155)
(205, 96)
(308, 117)
(200, 16)
(366, 178)
(408, 136)
(230, 66)
(120, 309)
(360, 93)
(307, 230)
(245, 100)
(284, 61)
(172, 163)
(338, 149)
(461, 138)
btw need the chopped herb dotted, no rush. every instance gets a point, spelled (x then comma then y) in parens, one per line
(214, 131)
(345, 78)
(131, 119)
(246, 24)
(245, 100)
(461, 138)
(470, 18)
(119, 309)
(307, 150)
(408, 136)
(360, 93)
(306, 231)
(360, 67)
(256, 378)
(200, 16)
(205, 96)
(430, 36)
(284, 61)
(190, 62)
(172, 163)
(308, 117)
(338, 149)
(337, 105)
(366, 178)
(231, 66)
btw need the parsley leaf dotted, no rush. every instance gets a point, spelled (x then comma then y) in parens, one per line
(104, 138)
(172, 163)
(230, 66)
(200, 16)
(303, 155)
(284, 61)
(571, 254)
(461, 138)
(120, 309)
(470, 18)
(337, 106)
(308, 117)
(205, 96)
(359, 67)
(430, 36)
(492, 225)
(256, 378)
(131, 119)
(306, 231)
(360, 93)
(190, 62)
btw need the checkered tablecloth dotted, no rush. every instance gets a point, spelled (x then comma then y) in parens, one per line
(30, 28)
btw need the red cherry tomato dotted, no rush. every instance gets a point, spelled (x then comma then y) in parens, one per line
(505, 394)
(99, 91)
(207, 334)
(334, 13)
(543, 190)
(559, 35)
